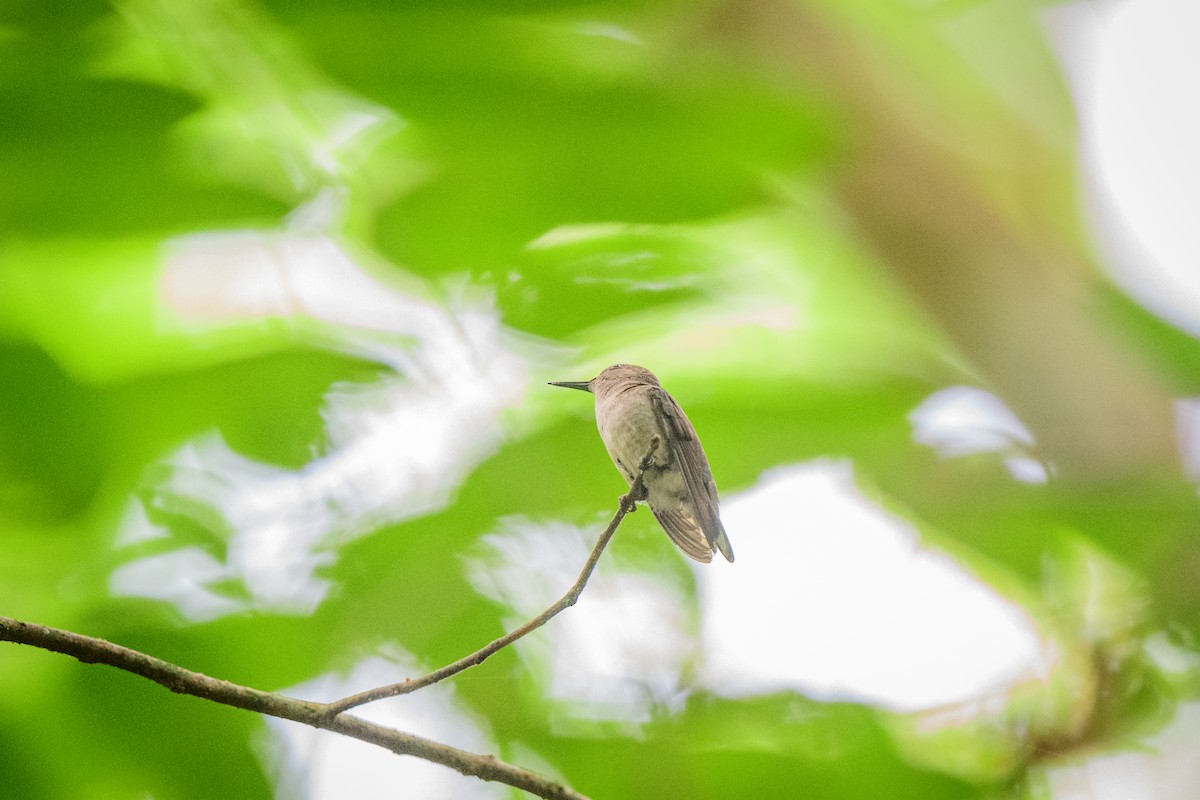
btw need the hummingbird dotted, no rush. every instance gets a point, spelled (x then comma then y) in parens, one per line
(631, 409)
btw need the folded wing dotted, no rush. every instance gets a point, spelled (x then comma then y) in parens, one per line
(699, 507)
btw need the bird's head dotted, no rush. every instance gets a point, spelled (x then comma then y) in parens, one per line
(615, 375)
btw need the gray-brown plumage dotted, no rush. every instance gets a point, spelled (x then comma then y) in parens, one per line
(631, 409)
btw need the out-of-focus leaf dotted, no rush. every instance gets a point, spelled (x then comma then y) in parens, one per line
(779, 745)
(645, 182)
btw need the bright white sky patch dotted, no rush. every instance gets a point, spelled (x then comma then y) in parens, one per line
(317, 765)
(618, 653)
(834, 597)
(1135, 71)
(180, 577)
(399, 445)
(961, 420)
(1165, 767)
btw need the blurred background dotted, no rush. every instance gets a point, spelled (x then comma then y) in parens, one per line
(281, 284)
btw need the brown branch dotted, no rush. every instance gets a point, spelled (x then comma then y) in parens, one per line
(330, 716)
(182, 681)
(627, 504)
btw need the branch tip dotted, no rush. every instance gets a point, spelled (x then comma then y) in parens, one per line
(626, 504)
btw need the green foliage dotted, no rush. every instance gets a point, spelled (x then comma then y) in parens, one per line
(629, 181)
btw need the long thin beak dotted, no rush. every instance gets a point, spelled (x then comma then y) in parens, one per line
(580, 385)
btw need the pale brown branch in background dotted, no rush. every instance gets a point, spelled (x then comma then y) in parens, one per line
(972, 206)
(983, 231)
(565, 602)
(330, 716)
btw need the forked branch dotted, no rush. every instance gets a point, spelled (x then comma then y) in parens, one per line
(626, 504)
(330, 716)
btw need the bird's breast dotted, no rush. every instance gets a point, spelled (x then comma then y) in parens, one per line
(628, 422)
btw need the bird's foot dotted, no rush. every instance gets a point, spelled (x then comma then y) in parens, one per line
(648, 460)
(637, 492)
(635, 495)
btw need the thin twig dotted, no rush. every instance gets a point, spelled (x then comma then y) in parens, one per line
(330, 716)
(98, 651)
(626, 504)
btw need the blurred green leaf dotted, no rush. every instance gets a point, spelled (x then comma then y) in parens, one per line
(563, 186)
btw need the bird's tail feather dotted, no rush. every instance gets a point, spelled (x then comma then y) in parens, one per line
(721, 542)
